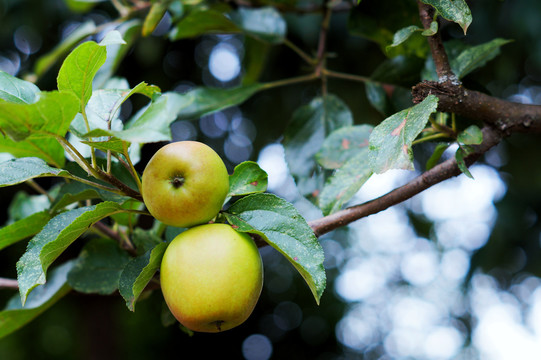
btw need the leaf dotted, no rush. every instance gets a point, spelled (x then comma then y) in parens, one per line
(154, 16)
(391, 141)
(16, 171)
(343, 144)
(114, 145)
(282, 227)
(308, 129)
(377, 96)
(202, 21)
(153, 124)
(345, 182)
(24, 205)
(266, 23)
(461, 153)
(53, 239)
(403, 34)
(247, 178)
(23, 229)
(436, 155)
(79, 68)
(15, 316)
(98, 267)
(47, 149)
(476, 57)
(471, 136)
(432, 30)
(50, 115)
(203, 100)
(138, 273)
(45, 62)
(453, 10)
(16, 90)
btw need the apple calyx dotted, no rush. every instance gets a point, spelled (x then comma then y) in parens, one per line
(177, 181)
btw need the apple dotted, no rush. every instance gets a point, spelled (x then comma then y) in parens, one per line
(185, 183)
(211, 277)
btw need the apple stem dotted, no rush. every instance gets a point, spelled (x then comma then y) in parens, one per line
(177, 181)
(219, 324)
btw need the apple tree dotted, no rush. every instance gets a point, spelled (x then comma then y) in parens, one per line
(349, 90)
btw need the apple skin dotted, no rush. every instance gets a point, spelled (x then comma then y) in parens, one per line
(185, 183)
(211, 277)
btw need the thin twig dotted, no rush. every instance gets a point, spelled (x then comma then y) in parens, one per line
(8, 283)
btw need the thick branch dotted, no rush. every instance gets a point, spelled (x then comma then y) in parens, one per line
(505, 115)
(439, 55)
(437, 174)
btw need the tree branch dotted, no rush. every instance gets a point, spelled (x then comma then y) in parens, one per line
(441, 61)
(8, 283)
(437, 174)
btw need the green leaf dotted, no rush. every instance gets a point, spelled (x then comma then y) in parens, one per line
(23, 229)
(16, 90)
(98, 267)
(403, 34)
(436, 155)
(16, 171)
(138, 273)
(129, 32)
(203, 100)
(343, 144)
(377, 96)
(476, 57)
(24, 205)
(79, 68)
(114, 145)
(45, 62)
(154, 16)
(50, 115)
(247, 178)
(453, 10)
(203, 21)
(432, 30)
(53, 239)
(471, 136)
(460, 154)
(15, 316)
(391, 141)
(266, 24)
(308, 128)
(74, 191)
(345, 182)
(47, 149)
(281, 225)
(152, 124)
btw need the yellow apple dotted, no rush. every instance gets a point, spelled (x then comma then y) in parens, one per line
(211, 277)
(185, 183)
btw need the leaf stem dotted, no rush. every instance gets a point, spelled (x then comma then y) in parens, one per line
(340, 75)
(132, 168)
(290, 81)
(307, 58)
(34, 185)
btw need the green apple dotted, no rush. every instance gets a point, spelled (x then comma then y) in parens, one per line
(185, 183)
(211, 277)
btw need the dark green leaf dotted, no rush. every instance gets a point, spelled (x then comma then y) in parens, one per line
(138, 273)
(432, 30)
(471, 136)
(247, 178)
(377, 96)
(281, 225)
(345, 182)
(16, 90)
(15, 316)
(23, 229)
(391, 141)
(476, 57)
(264, 23)
(308, 128)
(436, 155)
(202, 100)
(453, 10)
(343, 144)
(460, 154)
(98, 267)
(50, 115)
(53, 239)
(16, 171)
(203, 21)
